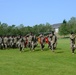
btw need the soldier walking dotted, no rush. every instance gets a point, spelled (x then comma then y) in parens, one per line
(34, 42)
(21, 43)
(72, 42)
(54, 41)
(42, 40)
(29, 38)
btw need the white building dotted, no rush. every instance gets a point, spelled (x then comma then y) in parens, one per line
(56, 27)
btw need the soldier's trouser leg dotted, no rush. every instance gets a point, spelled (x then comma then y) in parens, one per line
(26, 44)
(49, 45)
(42, 46)
(20, 48)
(73, 48)
(52, 47)
(55, 45)
(13, 46)
(35, 45)
(2, 46)
(5, 45)
(23, 46)
(32, 45)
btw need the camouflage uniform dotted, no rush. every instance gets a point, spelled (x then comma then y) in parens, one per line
(18, 41)
(34, 42)
(49, 40)
(5, 41)
(72, 42)
(29, 41)
(26, 41)
(8, 44)
(10, 41)
(21, 44)
(54, 41)
(42, 42)
(14, 42)
(1, 42)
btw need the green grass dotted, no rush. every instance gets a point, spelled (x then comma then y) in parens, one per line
(60, 62)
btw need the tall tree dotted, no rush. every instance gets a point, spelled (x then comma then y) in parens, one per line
(63, 30)
(72, 24)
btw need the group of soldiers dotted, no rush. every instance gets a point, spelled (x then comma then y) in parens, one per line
(31, 41)
(50, 39)
(9, 41)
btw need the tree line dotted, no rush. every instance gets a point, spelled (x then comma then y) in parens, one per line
(68, 26)
(65, 28)
(5, 29)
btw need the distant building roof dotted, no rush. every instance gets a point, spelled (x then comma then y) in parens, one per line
(56, 25)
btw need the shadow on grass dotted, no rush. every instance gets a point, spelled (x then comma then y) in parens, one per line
(60, 52)
(58, 49)
(38, 49)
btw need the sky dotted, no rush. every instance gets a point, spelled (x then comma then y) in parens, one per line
(32, 12)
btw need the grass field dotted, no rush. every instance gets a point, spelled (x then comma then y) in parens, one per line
(60, 62)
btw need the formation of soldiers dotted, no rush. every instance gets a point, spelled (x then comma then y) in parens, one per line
(50, 39)
(31, 41)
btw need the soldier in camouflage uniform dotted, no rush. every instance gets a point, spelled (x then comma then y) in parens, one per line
(34, 42)
(49, 40)
(5, 41)
(72, 41)
(29, 38)
(1, 46)
(18, 41)
(14, 41)
(8, 44)
(42, 40)
(54, 41)
(26, 41)
(10, 39)
(21, 43)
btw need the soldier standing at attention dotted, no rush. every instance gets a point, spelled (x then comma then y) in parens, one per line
(54, 41)
(72, 41)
